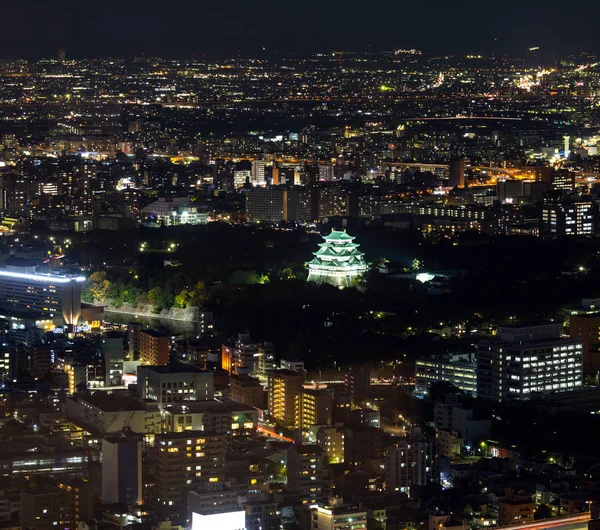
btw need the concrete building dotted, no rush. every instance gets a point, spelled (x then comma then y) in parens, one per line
(278, 204)
(248, 390)
(586, 328)
(523, 360)
(184, 462)
(458, 369)
(410, 464)
(221, 500)
(305, 472)
(112, 353)
(515, 510)
(220, 415)
(102, 413)
(331, 440)
(122, 470)
(314, 407)
(44, 509)
(25, 291)
(569, 217)
(339, 517)
(133, 332)
(154, 347)
(174, 383)
(283, 389)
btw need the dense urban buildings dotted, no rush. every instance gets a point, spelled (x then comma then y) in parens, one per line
(310, 291)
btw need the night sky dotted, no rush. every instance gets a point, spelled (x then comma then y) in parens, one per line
(37, 28)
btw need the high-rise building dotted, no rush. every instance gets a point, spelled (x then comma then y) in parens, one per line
(112, 353)
(174, 383)
(283, 389)
(187, 461)
(410, 464)
(523, 360)
(24, 291)
(357, 383)
(574, 217)
(133, 331)
(305, 472)
(258, 172)
(278, 204)
(122, 470)
(327, 200)
(314, 407)
(586, 328)
(457, 173)
(154, 347)
(41, 361)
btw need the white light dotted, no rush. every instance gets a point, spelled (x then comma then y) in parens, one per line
(219, 521)
(424, 277)
(48, 278)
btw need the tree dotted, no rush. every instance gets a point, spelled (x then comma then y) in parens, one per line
(182, 299)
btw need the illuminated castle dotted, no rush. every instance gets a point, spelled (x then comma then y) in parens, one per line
(338, 261)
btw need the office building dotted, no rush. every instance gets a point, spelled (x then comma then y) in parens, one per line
(173, 383)
(574, 217)
(511, 191)
(112, 353)
(459, 370)
(184, 462)
(523, 360)
(27, 292)
(586, 328)
(154, 347)
(314, 407)
(278, 204)
(122, 470)
(103, 413)
(283, 389)
(563, 181)
(327, 200)
(305, 472)
(339, 517)
(45, 509)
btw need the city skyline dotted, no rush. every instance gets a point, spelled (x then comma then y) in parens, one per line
(220, 30)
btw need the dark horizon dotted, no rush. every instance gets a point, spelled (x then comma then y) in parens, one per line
(218, 30)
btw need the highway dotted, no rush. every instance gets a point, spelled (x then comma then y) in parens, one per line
(574, 522)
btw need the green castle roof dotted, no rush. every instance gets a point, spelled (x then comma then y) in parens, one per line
(338, 236)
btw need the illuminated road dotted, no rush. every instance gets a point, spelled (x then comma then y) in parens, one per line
(575, 522)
